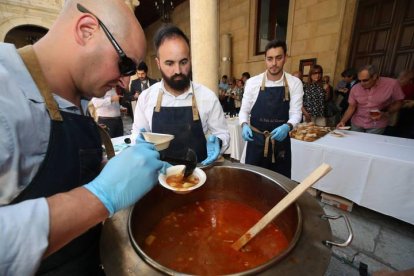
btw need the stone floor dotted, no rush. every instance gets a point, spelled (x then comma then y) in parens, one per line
(381, 243)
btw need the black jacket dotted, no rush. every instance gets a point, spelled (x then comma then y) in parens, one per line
(136, 85)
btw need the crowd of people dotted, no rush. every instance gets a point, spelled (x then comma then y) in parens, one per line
(355, 98)
(362, 100)
(230, 92)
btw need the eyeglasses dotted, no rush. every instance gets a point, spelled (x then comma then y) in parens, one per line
(365, 80)
(127, 67)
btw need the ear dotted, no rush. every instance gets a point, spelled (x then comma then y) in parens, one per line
(85, 28)
(158, 63)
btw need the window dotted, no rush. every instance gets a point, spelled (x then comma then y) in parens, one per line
(272, 19)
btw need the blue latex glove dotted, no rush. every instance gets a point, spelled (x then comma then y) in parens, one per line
(213, 150)
(128, 176)
(247, 133)
(280, 133)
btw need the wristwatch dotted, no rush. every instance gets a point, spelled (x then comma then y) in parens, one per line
(290, 126)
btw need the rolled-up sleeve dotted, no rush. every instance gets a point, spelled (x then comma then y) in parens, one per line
(250, 94)
(217, 125)
(24, 231)
(296, 100)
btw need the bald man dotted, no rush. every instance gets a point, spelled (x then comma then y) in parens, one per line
(52, 190)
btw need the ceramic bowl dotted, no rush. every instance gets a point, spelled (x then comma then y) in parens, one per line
(174, 170)
(161, 141)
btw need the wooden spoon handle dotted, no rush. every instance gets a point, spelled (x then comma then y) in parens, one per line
(282, 205)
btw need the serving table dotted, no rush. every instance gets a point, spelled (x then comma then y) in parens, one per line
(374, 171)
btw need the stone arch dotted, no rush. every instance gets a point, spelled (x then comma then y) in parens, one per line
(8, 25)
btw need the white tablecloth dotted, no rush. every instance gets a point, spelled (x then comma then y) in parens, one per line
(374, 171)
(236, 141)
(119, 143)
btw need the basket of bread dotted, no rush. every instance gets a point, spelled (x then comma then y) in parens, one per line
(309, 132)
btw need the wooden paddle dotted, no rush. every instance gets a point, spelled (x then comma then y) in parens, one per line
(282, 205)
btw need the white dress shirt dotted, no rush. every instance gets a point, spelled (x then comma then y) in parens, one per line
(105, 107)
(209, 108)
(251, 92)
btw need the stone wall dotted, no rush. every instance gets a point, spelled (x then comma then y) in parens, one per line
(318, 29)
(322, 30)
(41, 13)
(180, 18)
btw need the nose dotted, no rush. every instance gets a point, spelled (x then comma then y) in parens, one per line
(124, 81)
(177, 69)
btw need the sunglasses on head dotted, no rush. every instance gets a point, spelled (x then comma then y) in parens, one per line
(127, 67)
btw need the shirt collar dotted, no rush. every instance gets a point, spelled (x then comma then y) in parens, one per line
(66, 105)
(276, 81)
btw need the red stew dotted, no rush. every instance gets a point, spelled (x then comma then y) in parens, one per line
(197, 238)
(180, 182)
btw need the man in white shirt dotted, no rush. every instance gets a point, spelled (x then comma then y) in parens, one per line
(108, 111)
(273, 100)
(180, 107)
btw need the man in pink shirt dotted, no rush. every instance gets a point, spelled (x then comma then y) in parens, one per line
(372, 101)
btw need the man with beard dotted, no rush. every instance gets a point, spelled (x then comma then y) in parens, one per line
(180, 107)
(273, 99)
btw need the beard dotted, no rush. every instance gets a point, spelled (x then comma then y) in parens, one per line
(178, 82)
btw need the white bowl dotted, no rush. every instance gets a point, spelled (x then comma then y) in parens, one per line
(162, 178)
(160, 140)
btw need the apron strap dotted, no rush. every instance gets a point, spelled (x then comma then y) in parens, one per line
(194, 108)
(266, 133)
(30, 60)
(159, 100)
(285, 83)
(287, 94)
(196, 117)
(106, 141)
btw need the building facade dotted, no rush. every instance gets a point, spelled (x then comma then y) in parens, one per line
(333, 33)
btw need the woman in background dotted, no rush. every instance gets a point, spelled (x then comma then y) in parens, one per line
(314, 97)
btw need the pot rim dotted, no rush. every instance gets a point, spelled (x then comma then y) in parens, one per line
(251, 271)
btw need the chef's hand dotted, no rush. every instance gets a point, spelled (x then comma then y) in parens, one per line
(213, 150)
(280, 133)
(247, 133)
(128, 176)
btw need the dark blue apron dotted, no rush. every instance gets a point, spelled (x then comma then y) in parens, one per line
(182, 122)
(270, 110)
(73, 158)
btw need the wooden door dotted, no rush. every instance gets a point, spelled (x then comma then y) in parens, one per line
(384, 36)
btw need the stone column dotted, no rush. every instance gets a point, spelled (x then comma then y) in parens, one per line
(204, 42)
(225, 55)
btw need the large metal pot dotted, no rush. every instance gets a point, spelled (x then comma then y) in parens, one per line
(260, 188)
